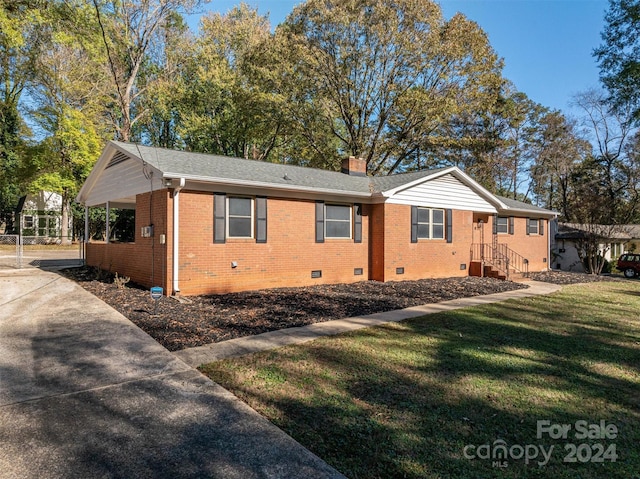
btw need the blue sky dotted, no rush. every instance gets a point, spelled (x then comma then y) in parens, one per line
(546, 44)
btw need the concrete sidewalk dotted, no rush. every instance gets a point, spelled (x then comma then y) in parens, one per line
(84, 393)
(275, 339)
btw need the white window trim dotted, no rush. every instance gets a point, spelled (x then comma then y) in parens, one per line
(537, 223)
(431, 223)
(326, 220)
(229, 216)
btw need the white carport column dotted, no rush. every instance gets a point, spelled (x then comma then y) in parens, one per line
(86, 234)
(86, 224)
(176, 236)
(106, 219)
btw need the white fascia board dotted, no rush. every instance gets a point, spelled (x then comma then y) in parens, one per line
(267, 186)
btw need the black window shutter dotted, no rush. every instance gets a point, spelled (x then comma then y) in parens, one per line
(414, 224)
(357, 223)
(495, 224)
(511, 225)
(541, 228)
(219, 217)
(261, 219)
(319, 221)
(449, 226)
(528, 224)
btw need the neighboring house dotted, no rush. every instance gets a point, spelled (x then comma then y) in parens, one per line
(212, 224)
(612, 241)
(39, 216)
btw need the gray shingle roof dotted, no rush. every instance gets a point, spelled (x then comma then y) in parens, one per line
(521, 205)
(215, 168)
(386, 183)
(212, 167)
(206, 166)
(610, 232)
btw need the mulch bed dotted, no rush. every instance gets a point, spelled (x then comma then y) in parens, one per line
(565, 277)
(215, 318)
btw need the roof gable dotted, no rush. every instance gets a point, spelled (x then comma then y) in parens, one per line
(443, 189)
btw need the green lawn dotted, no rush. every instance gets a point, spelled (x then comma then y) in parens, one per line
(433, 396)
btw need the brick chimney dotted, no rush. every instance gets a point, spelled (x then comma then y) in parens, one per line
(354, 166)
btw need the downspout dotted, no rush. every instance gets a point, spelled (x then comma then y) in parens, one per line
(550, 222)
(176, 236)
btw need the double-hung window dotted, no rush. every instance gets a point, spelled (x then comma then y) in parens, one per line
(502, 224)
(27, 221)
(533, 227)
(430, 223)
(240, 217)
(337, 221)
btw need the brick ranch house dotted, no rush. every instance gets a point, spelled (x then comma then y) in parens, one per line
(211, 224)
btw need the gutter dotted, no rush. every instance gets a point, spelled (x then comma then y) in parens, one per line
(176, 237)
(266, 185)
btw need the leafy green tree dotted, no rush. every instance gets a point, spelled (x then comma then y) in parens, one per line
(226, 106)
(381, 76)
(20, 40)
(619, 55)
(161, 80)
(68, 91)
(64, 159)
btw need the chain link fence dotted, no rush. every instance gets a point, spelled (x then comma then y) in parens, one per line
(40, 251)
(10, 251)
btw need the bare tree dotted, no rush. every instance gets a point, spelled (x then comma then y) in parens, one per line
(129, 30)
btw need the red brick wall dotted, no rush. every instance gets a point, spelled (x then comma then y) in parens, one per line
(377, 237)
(426, 258)
(291, 252)
(287, 258)
(534, 247)
(135, 259)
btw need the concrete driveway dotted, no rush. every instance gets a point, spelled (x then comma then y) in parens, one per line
(84, 393)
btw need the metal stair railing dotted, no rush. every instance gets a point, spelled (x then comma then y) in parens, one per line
(518, 262)
(501, 257)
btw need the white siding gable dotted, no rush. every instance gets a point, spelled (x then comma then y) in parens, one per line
(442, 192)
(121, 182)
